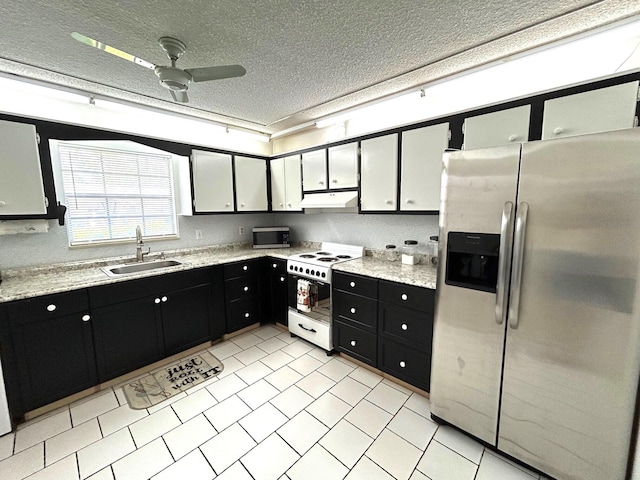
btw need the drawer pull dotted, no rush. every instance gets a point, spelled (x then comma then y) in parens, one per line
(157, 300)
(353, 343)
(404, 296)
(51, 307)
(247, 315)
(86, 318)
(307, 329)
(404, 326)
(282, 279)
(164, 299)
(245, 268)
(402, 364)
(246, 289)
(275, 265)
(353, 310)
(352, 284)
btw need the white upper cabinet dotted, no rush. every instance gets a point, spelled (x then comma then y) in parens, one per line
(602, 110)
(497, 128)
(212, 181)
(21, 185)
(286, 184)
(314, 170)
(343, 166)
(421, 167)
(379, 170)
(251, 184)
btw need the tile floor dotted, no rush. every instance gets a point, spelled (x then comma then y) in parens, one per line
(281, 409)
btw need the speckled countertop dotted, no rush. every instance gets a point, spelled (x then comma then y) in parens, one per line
(35, 281)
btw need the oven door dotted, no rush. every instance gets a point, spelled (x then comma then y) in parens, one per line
(315, 325)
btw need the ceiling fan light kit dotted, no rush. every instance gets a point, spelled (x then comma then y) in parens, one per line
(174, 79)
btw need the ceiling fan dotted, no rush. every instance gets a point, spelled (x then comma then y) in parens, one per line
(172, 78)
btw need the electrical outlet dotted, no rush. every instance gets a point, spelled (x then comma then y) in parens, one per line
(241, 230)
(198, 234)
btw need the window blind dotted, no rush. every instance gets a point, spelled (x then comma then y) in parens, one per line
(109, 192)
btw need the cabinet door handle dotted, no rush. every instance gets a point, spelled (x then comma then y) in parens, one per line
(334, 180)
(157, 300)
(389, 202)
(86, 318)
(51, 308)
(282, 279)
(246, 289)
(227, 204)
(274, 265)
(320, 182)
(353, 343)
(289, 205)
(280, 204)
(512, 138)
(352, 284)
(402, 364)
(245, 268)
(2, 203)
(353, 310)
(409, 201)
(247, 315)
(558, 130)
(404, 326)
(164, 299)
(404, 296)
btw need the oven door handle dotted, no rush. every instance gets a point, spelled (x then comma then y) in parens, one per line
(307, 329)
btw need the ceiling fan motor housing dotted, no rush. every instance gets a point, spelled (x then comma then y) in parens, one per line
(173, 78)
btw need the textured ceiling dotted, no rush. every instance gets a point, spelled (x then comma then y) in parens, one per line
(304, 58)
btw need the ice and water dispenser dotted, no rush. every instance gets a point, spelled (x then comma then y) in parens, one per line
(472, 260)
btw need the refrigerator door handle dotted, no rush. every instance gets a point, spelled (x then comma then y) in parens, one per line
(504, 259)
(518, 258)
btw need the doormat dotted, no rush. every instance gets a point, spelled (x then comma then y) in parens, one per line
(163, 383)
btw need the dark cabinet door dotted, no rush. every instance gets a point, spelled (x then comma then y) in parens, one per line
(185, 318)
(279, 297)
(54, 358)
(127, 336)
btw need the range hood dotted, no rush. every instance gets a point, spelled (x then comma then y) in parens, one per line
(333, 201)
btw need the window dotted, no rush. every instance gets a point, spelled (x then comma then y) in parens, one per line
(109, 191)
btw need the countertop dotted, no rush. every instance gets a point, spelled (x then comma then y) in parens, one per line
(36, 281)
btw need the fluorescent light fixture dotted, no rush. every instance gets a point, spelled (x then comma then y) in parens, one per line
(28, 87)
(261, 137)
(330, 121)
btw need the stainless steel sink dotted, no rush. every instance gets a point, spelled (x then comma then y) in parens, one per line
(131, 268)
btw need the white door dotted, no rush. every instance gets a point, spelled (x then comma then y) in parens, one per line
(314, 170)
(293, 182)
(343, 166)
(21, 186)
(278, 185)
(497, 128)
(212, 181)
(602, 110)
(421, 167)
(251, 184)
(379, 165)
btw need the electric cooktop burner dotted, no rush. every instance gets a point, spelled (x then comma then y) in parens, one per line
(323, 253)
(328, 259)
(307, 255)
(343, 256)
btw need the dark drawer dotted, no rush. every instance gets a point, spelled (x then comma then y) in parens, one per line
(365, 286)
(407, 295)
(405, 325)
(276, 265)
(242, 314)
(360, 311)
(48, 306)
(355, 342)
(237, 269)
(241, 288)
(405, 363)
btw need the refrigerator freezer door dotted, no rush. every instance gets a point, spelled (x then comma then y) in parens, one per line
(468, 340)
(573, 357)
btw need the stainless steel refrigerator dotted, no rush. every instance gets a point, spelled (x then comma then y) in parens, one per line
(536, 346)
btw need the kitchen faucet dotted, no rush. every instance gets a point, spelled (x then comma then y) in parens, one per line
(139, 253)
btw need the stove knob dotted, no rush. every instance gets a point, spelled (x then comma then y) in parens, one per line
(313, 272)
(290, 267)
(324, 274)
(307, 271)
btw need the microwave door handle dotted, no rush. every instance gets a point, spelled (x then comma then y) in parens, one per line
(504, 260)
(518, 259)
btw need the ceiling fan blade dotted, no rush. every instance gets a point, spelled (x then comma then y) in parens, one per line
(113, 51)
(180, 96)
(215, 73)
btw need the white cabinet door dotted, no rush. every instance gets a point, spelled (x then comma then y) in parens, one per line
(251, 184)
(278, 185)
(343, 166)
(314, 170)
(286, 184)
(602, 110)
(421, 167)
(293, 182)
(379, 165)
(21, 185)
(212, 181)
(497, 128)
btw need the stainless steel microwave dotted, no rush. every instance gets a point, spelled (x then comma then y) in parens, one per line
(271, 237)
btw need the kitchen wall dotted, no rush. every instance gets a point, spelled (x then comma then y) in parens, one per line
(372, 231)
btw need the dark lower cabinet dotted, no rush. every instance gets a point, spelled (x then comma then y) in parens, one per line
(185, 318)
(52, 352)
(408, 364)
(243, 287)
(276, 269)
(358, 343)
